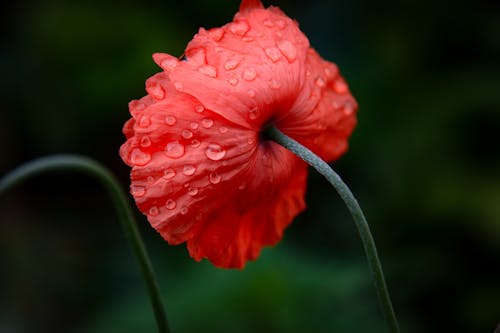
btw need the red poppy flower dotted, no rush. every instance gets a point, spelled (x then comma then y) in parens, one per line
(202, 172)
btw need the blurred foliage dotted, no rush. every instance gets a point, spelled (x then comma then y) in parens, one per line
(424, 162)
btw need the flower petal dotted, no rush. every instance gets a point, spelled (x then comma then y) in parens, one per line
(246, 70)
(324, 115)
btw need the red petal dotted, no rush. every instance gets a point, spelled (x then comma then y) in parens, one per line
(250, 4)
(324, 115)
(246, 70)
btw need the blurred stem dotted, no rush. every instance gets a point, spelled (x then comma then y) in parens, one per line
(359, 218)
(125, 215)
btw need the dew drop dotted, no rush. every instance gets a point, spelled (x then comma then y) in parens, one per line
(195, 143)
(251, 141)
(138, 157)
(169, 64)
(174, 149)
(254, 113)
(144, 122)
(156, 91)
(193, 191)
(274, 84)
(187, 134)
(208, 70)
(145, 141)
(184, 210)
(320, 82)
(137, 191)
(239, 28)
(199, 108)
(268, 23)
(251, 93)
(248, 39)
(215, 152)
(151, 180)
(170, 120)
(153, 211)
(223, 130)
(281, 24)
(273, 53)
(170, 204)
(214, 178)
(179, 86)
(189, 170)
(207, 122)
(194, 125)
(169, 174)
(231, 64)
(233, 81)
(348, 108)
(340, 87)
(249, 74)
(242, 186)
(288, 50)
(216, 33)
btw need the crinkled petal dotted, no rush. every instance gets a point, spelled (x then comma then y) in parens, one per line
(324, 115)
(198, 177)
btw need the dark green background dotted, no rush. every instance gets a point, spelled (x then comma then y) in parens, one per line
(424, 162)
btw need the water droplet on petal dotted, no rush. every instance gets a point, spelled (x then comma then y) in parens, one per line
(239, 28)
(195, 143)
(340, 87)
(251, 93)
(320, 82)
(138, 157)
(287, 49)
(242, 186)
(170, 204)
(273, 53)
(249, 74)
(151, 180)
(274, 84)
(174, 149)
(179, 86)
(193, 191)
(215, 152)
(153, 211)
(184, 210)
(216, 33)
(170, 120)
(156, 91)
(231, 64)
(187, 134)
(145, 141)
(207, 122)
(194, 125)
(281, 24)
(137, 191)
(254, 113)
(233, 81)
(189, 170)
(214, 178)
(248, 39)
(208, 70)
(144, 122)
(251, 141)
(268, 23)
(169, 174)
(223, 130)
(199, 108)
(348, 108)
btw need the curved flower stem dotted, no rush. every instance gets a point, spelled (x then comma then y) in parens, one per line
(125, 215)
(359, 218)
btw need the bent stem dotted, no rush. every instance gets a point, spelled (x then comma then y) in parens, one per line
(125, 215)
(359, 218)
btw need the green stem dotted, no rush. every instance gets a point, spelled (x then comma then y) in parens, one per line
(125, 215)
(359, 218)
